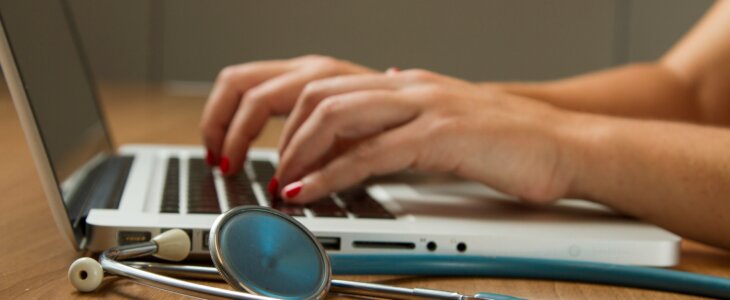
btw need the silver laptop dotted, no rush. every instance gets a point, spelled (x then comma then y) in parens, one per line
(101, 196)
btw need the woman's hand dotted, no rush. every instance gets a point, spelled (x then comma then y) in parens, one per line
(420, 120)
(245, 96)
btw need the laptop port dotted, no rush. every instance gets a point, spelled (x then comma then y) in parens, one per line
(133, 237)
(329, 243)
(431, 246)
(206, 240)
(461, 247)
(383, 245)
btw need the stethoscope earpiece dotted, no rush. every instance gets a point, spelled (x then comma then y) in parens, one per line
(85, 274)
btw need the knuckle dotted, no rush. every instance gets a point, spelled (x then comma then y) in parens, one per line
(429, 94)
(444, 126)
(228, 74)
(313, 92)
(329, 109)
(255, 97)
(312, 57)
(421, 75)
(327, 60)
(327, 65)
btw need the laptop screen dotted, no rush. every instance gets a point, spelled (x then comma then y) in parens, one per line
(57, 84)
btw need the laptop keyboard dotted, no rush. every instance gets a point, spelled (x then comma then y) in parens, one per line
(171, 193)
(203, 198)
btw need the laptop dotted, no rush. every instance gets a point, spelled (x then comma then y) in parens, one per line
(102, 196)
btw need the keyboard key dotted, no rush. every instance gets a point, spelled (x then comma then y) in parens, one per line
(171, 193)
(264, 171)
(359, 203)
(296, 210)
(239, 191)
(327, 207)
(202, 196)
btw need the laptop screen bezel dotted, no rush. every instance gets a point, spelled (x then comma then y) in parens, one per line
(51, 184)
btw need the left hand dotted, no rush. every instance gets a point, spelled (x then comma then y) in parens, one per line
(424, 121)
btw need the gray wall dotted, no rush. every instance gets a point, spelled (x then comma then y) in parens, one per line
(190, 40)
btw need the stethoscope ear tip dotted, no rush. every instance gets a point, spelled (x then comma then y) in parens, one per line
(85, 274)
(172, 245)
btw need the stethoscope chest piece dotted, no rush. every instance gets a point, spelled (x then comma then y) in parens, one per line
(273, 256)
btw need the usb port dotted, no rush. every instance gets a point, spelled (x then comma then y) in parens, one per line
(206, 240)
(329, 243)
(133, 237)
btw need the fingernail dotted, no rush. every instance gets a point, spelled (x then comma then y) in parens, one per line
(225, 164)
(292, 189)
(392, 70)
(209, 158)
(273, 186)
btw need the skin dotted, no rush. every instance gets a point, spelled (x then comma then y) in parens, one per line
(649, 140)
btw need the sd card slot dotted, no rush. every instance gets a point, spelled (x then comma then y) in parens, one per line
(383, 245)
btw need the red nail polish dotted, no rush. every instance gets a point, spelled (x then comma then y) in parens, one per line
(293, 189)
(273, 186)
(225, 164)
(210, 159)
(392, 70)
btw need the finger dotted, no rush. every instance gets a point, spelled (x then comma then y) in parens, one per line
(276, 96)
(386, 153)
(232, 83)
(317, 91)
(346, 116)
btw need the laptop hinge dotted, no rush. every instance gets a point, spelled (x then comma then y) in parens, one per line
(101, 188)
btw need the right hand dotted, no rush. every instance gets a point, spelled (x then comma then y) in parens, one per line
(244, 97)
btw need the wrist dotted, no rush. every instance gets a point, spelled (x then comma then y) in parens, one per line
(585, 150)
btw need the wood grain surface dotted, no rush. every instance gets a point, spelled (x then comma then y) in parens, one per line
(34, 258)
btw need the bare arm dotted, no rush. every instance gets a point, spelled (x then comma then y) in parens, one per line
(690, 83)
(672, 174)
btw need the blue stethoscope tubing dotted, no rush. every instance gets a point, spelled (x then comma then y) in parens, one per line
(533, 268)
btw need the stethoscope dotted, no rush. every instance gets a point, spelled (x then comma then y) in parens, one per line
(265, 254)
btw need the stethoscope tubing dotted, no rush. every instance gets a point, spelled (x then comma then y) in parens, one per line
(110, 264)
(533, 268)
(337, 286)
(504, 267)
(152, 274)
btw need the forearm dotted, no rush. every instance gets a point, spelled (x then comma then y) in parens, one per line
(671, 174)
(639, 90)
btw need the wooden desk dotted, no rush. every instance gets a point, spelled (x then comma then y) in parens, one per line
(34, 258)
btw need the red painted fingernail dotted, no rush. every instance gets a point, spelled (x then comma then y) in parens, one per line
(392, 70)
(293, 189)
(209, 158)
(225, 164)
(273, 186)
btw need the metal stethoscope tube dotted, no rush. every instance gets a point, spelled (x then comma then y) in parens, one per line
(337, 286)
(110, 263)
